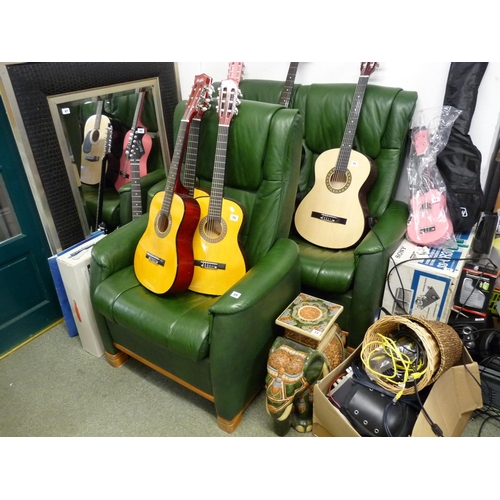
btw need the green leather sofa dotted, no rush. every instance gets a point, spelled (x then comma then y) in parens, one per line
(355, 277)
(215, 346)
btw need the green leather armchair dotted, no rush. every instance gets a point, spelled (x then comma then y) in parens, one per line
(216, 346)
(355, 277)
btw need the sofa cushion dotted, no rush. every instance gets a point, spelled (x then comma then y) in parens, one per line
(180, 327)
(330, 270)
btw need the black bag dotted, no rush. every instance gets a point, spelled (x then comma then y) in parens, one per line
(460, 161)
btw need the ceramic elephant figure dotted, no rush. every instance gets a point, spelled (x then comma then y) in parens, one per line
(292, 370)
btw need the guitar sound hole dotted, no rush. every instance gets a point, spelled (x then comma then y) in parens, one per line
(212, 230)
(162, 224)
(337, 181)
(95, 135)
(425, 208)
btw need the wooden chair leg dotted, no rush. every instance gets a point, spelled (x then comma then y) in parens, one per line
(117, 359)
(229, 426)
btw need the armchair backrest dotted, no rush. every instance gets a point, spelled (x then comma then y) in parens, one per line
(261, 169)
(382, 132)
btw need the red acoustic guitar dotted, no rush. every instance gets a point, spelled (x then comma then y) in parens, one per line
(429, 223)
(163, 260)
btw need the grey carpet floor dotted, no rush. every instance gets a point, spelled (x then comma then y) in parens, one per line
(51, 387)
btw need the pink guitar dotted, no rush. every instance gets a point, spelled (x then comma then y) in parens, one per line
(429, 223)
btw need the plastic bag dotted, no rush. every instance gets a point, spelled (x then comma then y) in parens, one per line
(429, 223)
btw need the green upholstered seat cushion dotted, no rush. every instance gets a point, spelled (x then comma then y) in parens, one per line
(324, 269)
(180, 323)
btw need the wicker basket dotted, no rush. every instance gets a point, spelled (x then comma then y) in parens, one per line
(386, 327)
(448, 340)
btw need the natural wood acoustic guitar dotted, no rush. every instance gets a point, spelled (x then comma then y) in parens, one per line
(163, 260)
(334, 212)
(218, 257)
(96, 132)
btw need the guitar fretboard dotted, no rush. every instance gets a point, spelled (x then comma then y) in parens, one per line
(135, 183)
(217, 189)
(286, 93)
(135, 164)
(352, 125)
(189, 170)
(174, 168)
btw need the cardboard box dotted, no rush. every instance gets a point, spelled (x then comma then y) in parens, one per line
(422, 281)
(453, 398)
(74, 267)
(59, 286)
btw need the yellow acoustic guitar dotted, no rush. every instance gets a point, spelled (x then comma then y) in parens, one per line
(97, 129)
(219, 261)
(163, 260)
(334, 212)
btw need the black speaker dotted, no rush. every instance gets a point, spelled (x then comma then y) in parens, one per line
(485, 234)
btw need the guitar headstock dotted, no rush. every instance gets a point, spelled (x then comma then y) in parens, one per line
(135, 149)
(367, 68)
(235, 71)
(227, 107)
(200, 97)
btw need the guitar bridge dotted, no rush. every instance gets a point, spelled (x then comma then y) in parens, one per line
(91, 158)
(154, 259)
(329, 218)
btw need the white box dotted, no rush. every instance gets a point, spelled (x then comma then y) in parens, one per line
(74, 267)
(422, 281)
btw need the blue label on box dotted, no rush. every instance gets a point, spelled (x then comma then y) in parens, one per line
(438, 259)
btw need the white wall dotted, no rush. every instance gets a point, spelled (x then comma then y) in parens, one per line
(426, 78)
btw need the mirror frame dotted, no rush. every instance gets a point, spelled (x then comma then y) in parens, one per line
(27, 89)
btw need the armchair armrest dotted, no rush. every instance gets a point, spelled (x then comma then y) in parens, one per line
(388, 231)
(244, 328)
(117, 250)
(260, 279)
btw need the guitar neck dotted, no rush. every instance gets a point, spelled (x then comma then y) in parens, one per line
(352, 124)
(217, 189)
(286, 93)
(135, 183)
(174, 167)
(189, 169)
(98, 114)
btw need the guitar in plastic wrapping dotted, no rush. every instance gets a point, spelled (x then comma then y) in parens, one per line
(94, 146)
(218, 257)
(286, 93)
(137, 143)
(429, 223)
(334, 212)
(163, 260)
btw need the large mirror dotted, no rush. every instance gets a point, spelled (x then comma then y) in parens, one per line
(99, 130)
(49, 105)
